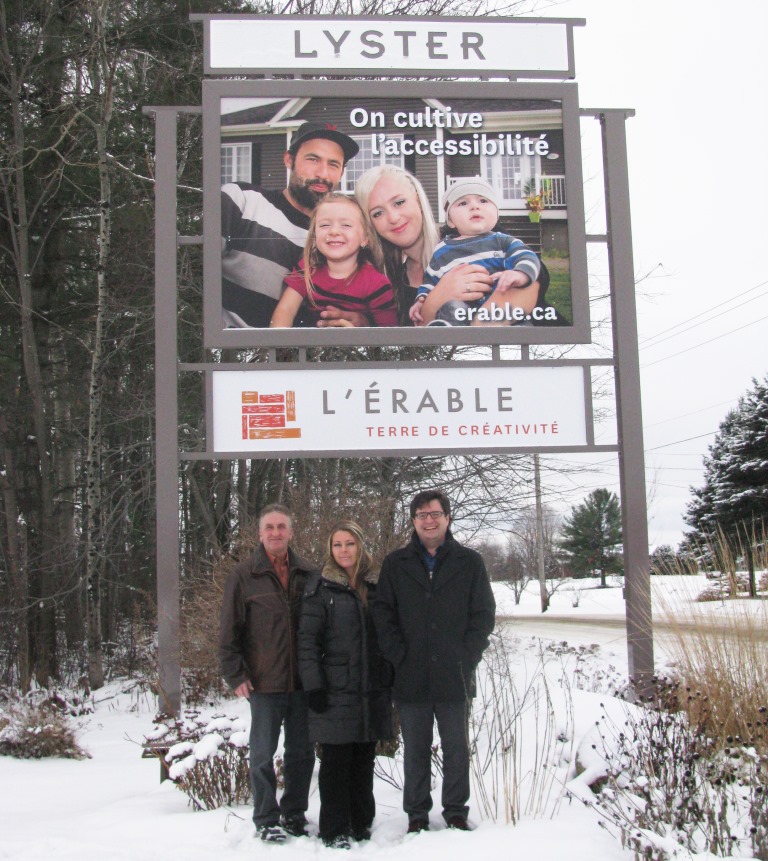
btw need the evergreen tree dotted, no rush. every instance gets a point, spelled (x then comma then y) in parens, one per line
(591, 535)
(732, 504)
(663, 560)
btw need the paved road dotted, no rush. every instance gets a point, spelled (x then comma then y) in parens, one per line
(608, 631)
(605, 630)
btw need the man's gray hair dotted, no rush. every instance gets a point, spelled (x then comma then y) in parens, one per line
(275, 508)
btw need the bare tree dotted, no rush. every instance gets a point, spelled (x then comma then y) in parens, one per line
(428, 8)
(520, 552)
(36, 147)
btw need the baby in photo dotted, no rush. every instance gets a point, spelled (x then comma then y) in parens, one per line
(472, 211)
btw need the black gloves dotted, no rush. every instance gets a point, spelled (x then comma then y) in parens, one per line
(318, 700)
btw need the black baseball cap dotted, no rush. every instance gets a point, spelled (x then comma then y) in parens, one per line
(310, 130)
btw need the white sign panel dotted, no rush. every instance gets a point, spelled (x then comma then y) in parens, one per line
(463, 408)
(355, 46)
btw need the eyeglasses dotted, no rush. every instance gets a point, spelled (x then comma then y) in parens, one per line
(424, 515)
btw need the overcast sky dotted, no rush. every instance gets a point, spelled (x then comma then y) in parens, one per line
(696, 75)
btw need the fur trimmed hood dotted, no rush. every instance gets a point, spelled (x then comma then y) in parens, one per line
(333, 574)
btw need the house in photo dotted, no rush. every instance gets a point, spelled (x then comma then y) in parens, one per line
(517, 145)
(433, 140)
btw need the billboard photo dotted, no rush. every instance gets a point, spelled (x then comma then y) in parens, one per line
(456, 214)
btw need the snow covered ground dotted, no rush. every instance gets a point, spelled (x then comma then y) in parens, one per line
(112, 805)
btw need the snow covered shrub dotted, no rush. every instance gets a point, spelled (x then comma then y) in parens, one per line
(37, 725)
(664, 787)
(584, 673)
(725, 586)
(522, 725)
(206, 758)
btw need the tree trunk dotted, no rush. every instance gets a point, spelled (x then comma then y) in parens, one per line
(65, 470)
(540, 537)
(102, 68)
(17, 568)
(45, 657)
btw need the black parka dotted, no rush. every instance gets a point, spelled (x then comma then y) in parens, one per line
(259, 620)
(339, 653)
(435, 629)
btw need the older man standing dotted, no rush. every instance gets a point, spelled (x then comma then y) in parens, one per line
(434, 612)
(257, 649)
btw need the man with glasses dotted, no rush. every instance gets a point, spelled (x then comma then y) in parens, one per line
(434, 612)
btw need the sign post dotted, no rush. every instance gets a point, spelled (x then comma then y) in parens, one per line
(629, 413)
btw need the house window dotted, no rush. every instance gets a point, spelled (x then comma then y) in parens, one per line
(511, 176)
(235, 162)
(365, 160)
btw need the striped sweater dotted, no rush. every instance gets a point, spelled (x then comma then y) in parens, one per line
(263, 239)
(494, 251)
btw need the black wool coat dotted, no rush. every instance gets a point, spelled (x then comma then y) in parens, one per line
(435, 629)
(339, 652)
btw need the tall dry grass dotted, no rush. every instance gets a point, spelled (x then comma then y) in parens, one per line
(720, 653)
(520, 732)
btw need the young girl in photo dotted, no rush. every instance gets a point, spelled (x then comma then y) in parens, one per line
(337, 271)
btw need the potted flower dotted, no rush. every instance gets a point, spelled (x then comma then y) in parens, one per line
(535, 201)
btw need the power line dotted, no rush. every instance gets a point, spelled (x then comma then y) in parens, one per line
(687, 439)
(676, 468)
(681, 453)
(670, 485)
(717, 307)
(692, 413)
(702, 322)
(705, 343)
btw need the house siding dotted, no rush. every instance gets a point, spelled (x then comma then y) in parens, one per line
(271, 171)
(337, 112)
(470, 165)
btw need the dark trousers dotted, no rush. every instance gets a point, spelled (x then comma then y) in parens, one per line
(268, 713)
(416, 724)
(347, 805)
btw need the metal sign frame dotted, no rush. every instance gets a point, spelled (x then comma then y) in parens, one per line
(625, 362)
(218, 336)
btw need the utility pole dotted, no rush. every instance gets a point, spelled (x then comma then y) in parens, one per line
(540, 535)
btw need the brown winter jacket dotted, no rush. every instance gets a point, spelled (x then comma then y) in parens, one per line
(259, 621)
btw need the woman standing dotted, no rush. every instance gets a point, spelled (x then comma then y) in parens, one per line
(347, 684)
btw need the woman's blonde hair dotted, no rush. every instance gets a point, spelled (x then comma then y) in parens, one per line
(364, 561)
(314, 260)
(393, 256)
